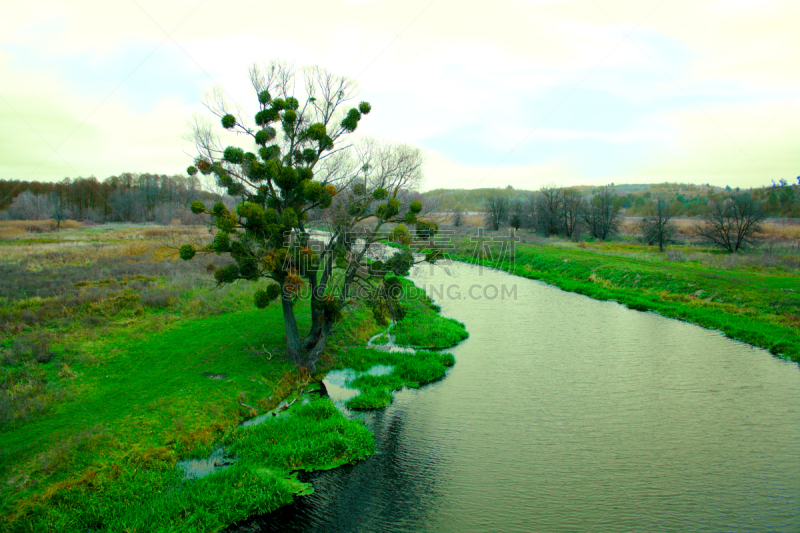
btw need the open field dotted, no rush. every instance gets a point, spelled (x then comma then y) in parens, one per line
(117, 360)
(775, 230)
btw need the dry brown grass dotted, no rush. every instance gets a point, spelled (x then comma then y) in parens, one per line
(475, 221)
(772, 229)
(21, 229)
(109, 241)
(782, 230)
(777, 230)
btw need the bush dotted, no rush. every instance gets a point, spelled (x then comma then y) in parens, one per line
(400, 235)
(159, 299)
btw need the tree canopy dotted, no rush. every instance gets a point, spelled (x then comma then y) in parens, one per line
(298, 167)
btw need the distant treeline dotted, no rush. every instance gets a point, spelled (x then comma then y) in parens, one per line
(125, 198)
(686, 200)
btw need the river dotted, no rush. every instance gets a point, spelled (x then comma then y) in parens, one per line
(564, 413)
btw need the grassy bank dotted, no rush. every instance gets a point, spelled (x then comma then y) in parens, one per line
(145, 363)
(756, 301)
(421, 328)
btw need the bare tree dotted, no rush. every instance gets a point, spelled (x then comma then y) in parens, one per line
(572, 207)
(657, 226)
(457, 217)
(549, 209)
(30, 206)
(58, 210)
(530, 210)
(516, 215)
(601, 215)
(496, 211)
(732, 224)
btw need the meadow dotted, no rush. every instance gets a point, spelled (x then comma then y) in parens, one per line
(118, 360)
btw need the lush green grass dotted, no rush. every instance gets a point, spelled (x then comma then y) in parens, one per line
(143, 403)
(105, 419)
(408, 370)
(422, 326)
(315, 436)
(370, 399)
(419, 329)
(106, 457)
(760, 306)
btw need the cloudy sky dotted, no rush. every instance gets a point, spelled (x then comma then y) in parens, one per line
(496, 93)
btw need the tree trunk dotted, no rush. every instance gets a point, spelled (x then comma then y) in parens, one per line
(293, 347)
(316, 326)
(316, 352)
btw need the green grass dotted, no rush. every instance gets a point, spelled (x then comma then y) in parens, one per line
(420, 329)
(408, 370)
(760, 306)
(370, 399)
(381, 341)
(143, 403)
(422, 326)
(315, 436)
(109, 416)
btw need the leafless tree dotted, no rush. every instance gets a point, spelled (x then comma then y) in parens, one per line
(572, 207)
(732, 224)
(496, 211)
(516, 215)
(58, 211)
(601, 215)
(530, 210)
(457, 217)
(549, 209)
(30, 206)
(657, 226)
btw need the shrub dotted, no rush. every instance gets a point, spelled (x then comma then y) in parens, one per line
(400, 235)
(159, 299)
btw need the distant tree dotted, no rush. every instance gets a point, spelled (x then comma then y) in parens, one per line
(30, 206)
(496, 211)
(572, 207)
(733, 223)
(457, 217)
(516, 215)
(57, 209)
(601, 215)
(426, 230)
(549, 209)
(657, 226)
(773, 205)
(530, 210)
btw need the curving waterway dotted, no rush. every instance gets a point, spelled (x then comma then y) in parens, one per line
(564, 413)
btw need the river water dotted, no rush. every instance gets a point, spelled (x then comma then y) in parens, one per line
(563, 413)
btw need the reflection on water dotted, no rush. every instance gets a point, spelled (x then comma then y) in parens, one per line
(567, 414)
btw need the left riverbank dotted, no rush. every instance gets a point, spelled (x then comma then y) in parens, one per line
(145, 364)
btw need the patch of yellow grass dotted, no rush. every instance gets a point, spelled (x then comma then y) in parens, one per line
(21, 229)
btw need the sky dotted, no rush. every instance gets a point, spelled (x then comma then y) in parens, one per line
(521, 93)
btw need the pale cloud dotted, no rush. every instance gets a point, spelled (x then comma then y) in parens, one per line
(518, 93)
